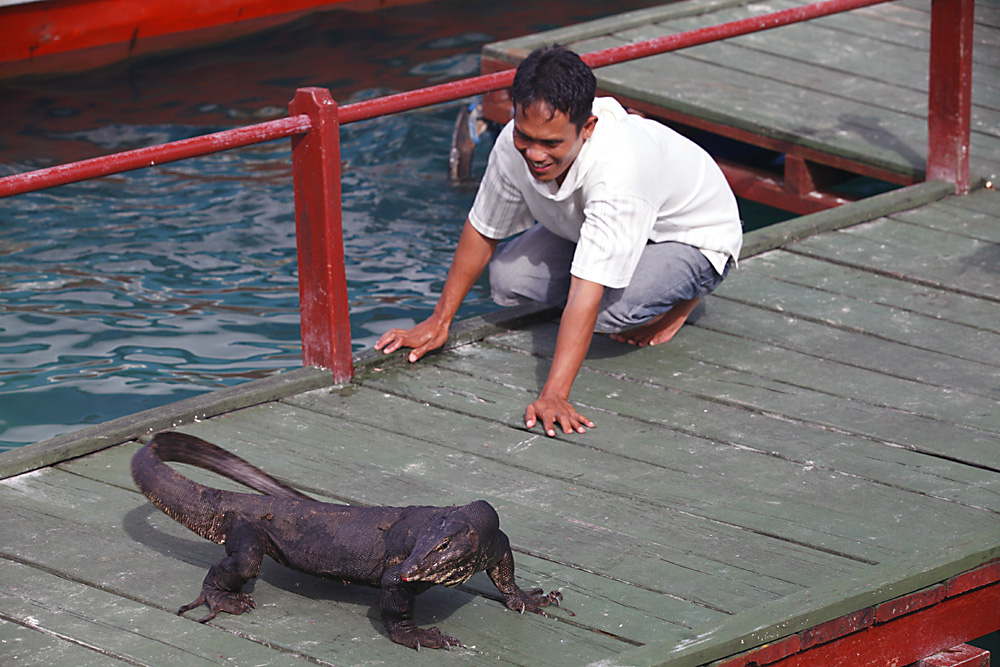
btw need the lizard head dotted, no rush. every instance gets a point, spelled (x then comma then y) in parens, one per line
(447, 552)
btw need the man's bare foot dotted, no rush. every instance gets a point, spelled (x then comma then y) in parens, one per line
(661, 328)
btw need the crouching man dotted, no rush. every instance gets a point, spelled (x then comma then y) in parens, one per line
(623, 222)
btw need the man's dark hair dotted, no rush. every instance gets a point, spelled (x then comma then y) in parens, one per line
(556, 76)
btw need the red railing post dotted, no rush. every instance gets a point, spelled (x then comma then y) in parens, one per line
(326, 326)
(949, 104)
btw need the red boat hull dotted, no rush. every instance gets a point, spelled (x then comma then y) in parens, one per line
(59, 36)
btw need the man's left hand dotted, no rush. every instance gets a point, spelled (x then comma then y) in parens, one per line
(552, 410)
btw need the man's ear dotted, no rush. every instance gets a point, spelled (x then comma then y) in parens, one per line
(588, 127)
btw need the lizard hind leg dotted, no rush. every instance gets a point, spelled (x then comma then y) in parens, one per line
(221, 589)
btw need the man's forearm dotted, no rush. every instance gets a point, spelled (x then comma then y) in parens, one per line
(576, 329)
(471, 257)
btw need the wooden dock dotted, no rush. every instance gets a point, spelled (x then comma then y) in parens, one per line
(811, 469)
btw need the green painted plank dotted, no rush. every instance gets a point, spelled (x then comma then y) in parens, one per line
(910, 20)
(854, 313)
(907, 95)
(776, 379)
(863, 351)
(292, 607)
(721, 481)
(27, 646)
(950, 217)
(803, 443)
(929, 256)
(94, 438)
(775, 236)
(818, 605)
(861, 373)
(818, 43)
(777, 431)
(892, 22)
(857, 85)
(775, 109)
(987, 13)
(979, 201)
(114, 627)
(834, 278)
(841, 380)
(506, 50)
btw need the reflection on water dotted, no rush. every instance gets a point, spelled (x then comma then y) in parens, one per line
(129, 292)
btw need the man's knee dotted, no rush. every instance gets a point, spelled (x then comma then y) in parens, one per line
(626, 308)
(532, 267)
(504, 285)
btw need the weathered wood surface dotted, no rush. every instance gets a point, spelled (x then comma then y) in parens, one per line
(851, 86)
(823, 436)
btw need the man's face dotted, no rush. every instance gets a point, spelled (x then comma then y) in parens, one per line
(548, 142)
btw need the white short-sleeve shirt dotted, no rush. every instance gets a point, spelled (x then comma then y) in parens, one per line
(634, 181)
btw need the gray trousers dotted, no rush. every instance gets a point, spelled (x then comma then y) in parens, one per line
(535, 267)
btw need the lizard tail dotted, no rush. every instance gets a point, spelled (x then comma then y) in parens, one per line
(205, 510)
(184, 448)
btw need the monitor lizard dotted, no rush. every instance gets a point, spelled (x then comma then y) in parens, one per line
(401, 550)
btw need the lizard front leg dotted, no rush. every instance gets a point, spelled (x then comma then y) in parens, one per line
(502, 575)
(397, 601)
(222, 585)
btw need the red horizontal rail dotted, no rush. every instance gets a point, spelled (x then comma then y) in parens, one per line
(153, 155)
(423, 97)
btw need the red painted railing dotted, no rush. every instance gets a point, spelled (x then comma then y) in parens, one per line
(314, 128)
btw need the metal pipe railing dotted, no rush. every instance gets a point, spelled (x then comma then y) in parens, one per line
(150, 156)
(315, 121)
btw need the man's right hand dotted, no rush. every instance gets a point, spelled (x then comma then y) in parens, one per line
(471, 257)
(424, 337)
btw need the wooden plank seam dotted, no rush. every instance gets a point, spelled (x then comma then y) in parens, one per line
(850, 624)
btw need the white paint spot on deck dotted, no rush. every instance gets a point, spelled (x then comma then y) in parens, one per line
(23, 483)
(522, 446)
(416, 468)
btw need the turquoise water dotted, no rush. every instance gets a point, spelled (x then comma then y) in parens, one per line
(133, 291)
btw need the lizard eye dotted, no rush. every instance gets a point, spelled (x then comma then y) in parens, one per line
(442, 546)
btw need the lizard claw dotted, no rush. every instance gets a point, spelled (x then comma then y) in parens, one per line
(533, 600)
(234, 603)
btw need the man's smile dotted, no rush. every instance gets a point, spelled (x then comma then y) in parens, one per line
(539, 168)
(548, 141)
